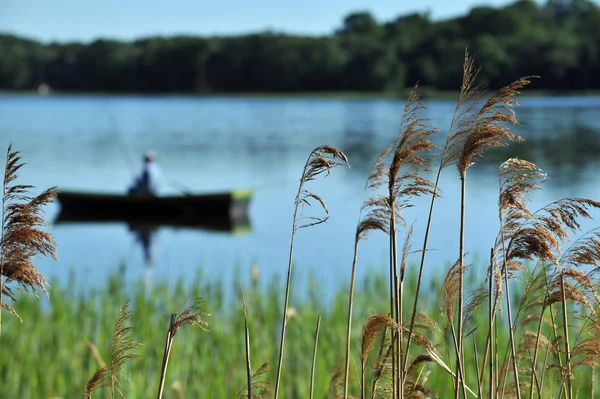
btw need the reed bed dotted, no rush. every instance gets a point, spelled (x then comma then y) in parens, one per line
(530, 328)
(58, 333)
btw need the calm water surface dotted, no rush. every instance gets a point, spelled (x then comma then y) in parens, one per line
(215, 144)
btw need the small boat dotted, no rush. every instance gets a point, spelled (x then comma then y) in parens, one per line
(219, 211)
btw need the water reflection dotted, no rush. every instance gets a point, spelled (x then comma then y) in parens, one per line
(145, 237)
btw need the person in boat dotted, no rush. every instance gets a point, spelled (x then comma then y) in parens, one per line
(147, 182)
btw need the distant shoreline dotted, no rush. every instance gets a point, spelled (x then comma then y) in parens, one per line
(424, 92)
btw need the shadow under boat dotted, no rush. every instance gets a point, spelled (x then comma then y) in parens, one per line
(223, 212)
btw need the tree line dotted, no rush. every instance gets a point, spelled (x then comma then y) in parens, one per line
(558, 40)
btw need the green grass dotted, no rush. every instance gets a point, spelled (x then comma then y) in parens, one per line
(46, 356)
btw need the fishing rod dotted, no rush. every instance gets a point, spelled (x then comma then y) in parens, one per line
(127, 155)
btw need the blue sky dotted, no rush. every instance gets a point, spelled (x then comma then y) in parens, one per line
(86, 20)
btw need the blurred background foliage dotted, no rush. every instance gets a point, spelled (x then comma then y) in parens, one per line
(557, 39)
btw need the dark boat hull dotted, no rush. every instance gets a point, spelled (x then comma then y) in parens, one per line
(223, 211)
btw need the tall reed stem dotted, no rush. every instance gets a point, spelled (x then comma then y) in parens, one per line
(314, 361)
(349, 327)
(566, 332)
(511, 333)
(421, 267)
(286, 301)
(592, 381)
(393, 333)
(534, 378)
(461, 282)
(2, 249)
(396, 297)
(490, 327)
(167, 352)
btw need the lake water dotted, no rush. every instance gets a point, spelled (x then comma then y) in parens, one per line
(213, 144)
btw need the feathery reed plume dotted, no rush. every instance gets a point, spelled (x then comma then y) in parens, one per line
(471, 133)
(404, 183)
(414, 388)
(375, 218)
(517, 178)
(321, 160)
(22, 239)
(260, 388)
(336, 381)
(314, 360)
(533, 298)
(449, 290)
(466, 102)
(121, 352)
(525, 235)
(379, 367)
(372, 327)
(191, 316)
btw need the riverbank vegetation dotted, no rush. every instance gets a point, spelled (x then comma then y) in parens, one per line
(557, 39)
(528, 328)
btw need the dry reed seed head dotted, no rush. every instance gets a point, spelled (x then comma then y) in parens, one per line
(379, 172)
(415, 390)
(260, 387)
(424, 322)
(474, 299)
(498, 281)
(585, 252)
(336, 383)
(382, 391)
(471, 132)
(534, 294)
(405, 251)
(563, 371)
(23, 238)
(371, 329)
(313, 220)
(413, 141)
(581, 279)
(422, 341)
(98, 380)
(529, 340)
(121, 352)
(369, 224)
(586, 352)
(377, 217)
(531, 243)
(321, 159)
(568, 210)
(517, 179)
(192, 316)
(571, 294)
(450, 288)
(7, 307)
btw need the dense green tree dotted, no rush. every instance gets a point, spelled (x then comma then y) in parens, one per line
(556, 39)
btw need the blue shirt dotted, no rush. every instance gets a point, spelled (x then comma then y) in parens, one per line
(147, 182)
